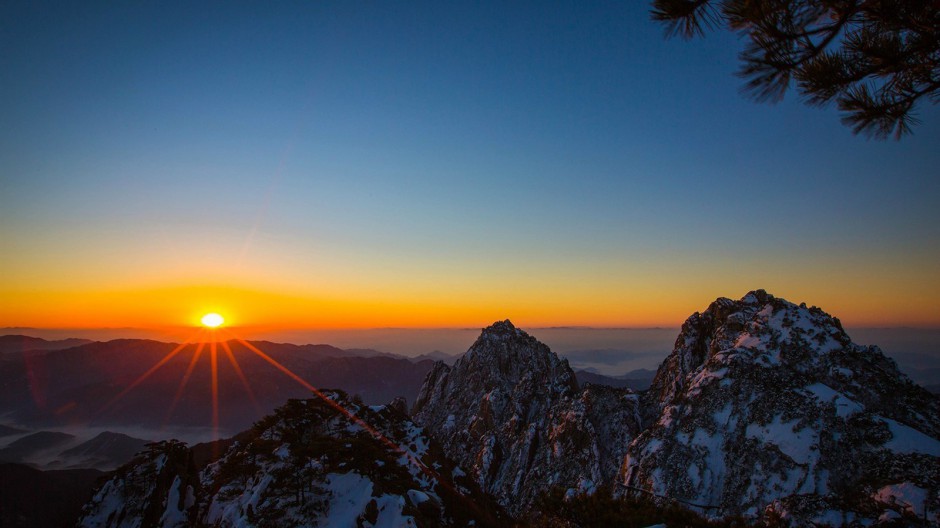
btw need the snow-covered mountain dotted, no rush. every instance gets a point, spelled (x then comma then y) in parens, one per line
(511, 411)
(764, 409)
(767, 409)
(312, 463)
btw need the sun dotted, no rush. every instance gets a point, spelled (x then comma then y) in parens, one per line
(212, 320)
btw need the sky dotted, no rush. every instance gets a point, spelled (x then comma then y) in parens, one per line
(431, 165)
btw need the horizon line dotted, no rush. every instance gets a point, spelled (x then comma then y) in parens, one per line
(461, 328)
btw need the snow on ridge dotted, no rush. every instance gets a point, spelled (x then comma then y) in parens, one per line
(349, 494)
(845, 406)
(905, 439)
(172, 515)
(798, 444)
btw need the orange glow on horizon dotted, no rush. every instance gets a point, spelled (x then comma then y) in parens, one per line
(642, 306)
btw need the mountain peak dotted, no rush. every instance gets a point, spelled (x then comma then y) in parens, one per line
(744, 411)
(501, 330)
(505, 324)
(506, 354)
(759, 328)
(511, 413)
(757, 297)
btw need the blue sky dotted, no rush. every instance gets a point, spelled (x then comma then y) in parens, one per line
(436, 149)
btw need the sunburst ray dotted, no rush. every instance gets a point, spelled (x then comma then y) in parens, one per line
(241, 376)
(214, 362)
(184, 381)
(147, 374)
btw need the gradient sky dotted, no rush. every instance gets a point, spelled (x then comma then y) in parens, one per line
(429, 165)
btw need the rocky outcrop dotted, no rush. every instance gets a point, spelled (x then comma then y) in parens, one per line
(316, 462)
(510, 412)
(767, 409)
(159, 487)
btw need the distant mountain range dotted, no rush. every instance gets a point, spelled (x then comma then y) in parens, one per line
(47, 476)
(639, 379)
(50, 386)
(58, 450)
(44, 384)
(22, 343)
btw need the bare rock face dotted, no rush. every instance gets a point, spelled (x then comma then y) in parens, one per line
(510, 412)
(767, 409)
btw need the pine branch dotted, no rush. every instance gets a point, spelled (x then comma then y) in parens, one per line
(875, 58)
(685, 18)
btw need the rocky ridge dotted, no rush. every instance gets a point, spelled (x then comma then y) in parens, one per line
(767, 409)
(308, 464)
(511, 413)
